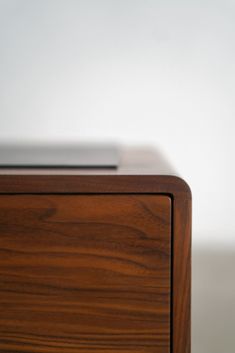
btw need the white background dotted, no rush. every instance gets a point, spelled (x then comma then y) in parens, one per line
(155, 72)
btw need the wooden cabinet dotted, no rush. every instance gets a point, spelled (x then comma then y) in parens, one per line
(95, 261)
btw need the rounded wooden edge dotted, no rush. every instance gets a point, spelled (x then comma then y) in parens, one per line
(180, 185)
(63, 184)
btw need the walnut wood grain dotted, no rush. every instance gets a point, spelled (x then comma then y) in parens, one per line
(85, 273)
(141, 171)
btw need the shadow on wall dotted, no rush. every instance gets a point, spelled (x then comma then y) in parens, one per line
(213, 301)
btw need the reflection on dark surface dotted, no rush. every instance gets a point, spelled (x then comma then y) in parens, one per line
(213, 300)
(60, 156)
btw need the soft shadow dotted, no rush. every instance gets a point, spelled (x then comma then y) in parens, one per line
(213, 301)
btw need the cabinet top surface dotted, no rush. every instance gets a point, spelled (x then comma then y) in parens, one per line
(139, 170)
(91, 161)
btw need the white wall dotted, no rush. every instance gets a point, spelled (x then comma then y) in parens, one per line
(136, 71)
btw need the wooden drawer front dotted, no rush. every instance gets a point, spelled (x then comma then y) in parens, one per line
(85, 273)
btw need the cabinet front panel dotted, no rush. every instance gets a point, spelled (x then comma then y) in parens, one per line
(85, 273)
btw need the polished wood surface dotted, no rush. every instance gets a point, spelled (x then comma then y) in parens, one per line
(131, 161)
(85, 273)
(141, 171)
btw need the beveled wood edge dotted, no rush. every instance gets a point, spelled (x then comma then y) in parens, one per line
(171, 185)
(90, 184)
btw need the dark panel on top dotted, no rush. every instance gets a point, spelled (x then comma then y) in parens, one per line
(62, 156)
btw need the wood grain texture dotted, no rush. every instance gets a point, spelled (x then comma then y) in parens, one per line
(141, 171)
(85, 273)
